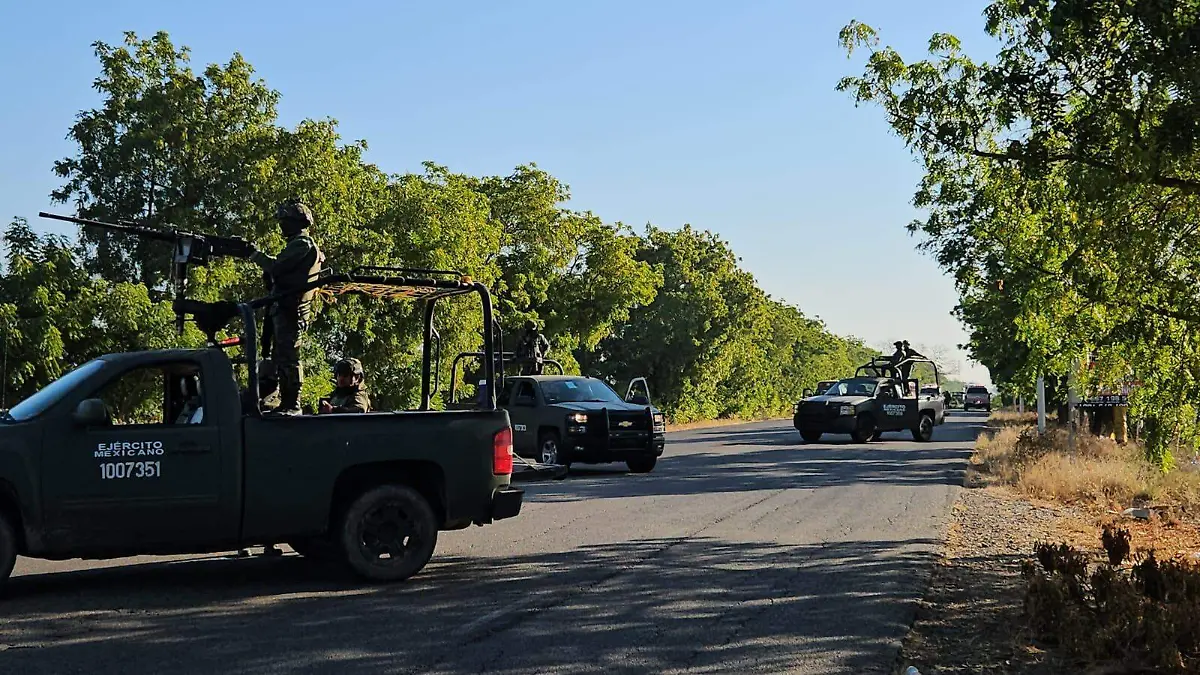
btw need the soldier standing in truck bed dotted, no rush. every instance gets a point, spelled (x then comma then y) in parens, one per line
(532, 349)
(299, 262)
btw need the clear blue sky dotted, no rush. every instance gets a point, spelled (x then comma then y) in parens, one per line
(718, 114)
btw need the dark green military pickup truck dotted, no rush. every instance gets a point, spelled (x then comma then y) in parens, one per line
(573, 419)
(90, 470)
(567, 419)
(879, 398)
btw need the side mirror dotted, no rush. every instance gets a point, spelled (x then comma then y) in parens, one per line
(91, 413)
(638, 399)
(806, 393)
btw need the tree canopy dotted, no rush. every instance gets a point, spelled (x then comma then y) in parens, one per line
(1061, 189)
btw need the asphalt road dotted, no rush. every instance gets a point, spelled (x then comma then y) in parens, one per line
(745, 551)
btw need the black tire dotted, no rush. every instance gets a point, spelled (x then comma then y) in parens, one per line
(864, 429)
(810, 436)
(923, 433)
(319, 549)
(549, 447)
(388, 533)
(641, 464)
(8, 547)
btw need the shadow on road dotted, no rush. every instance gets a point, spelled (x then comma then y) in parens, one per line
(768, 463)
(648, 604)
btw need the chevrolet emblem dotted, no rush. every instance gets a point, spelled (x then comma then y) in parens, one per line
(625, 424)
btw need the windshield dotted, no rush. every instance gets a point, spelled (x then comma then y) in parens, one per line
(977, 390)
(54, 392)
(852, 388)
(578, 390)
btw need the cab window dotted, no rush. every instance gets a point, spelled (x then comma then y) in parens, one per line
(525, 393)
(161, 394)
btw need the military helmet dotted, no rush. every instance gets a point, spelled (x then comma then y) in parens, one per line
(348, 366)
(530, 325)
(296, 211)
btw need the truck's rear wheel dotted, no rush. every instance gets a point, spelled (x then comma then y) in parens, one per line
(389, 533)
(8, 547)
(864, 429)
(641, 464)
(810, 436)
(923, 432)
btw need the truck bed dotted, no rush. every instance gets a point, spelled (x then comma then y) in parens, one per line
(293, 466)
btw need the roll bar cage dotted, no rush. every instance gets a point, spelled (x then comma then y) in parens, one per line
(394, 283)
(502, 359)
(883, 366)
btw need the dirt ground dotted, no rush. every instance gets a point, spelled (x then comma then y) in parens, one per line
(971, 619)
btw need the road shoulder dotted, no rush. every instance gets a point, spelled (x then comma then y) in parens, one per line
(971, 618)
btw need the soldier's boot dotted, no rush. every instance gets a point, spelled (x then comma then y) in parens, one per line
(289, 401)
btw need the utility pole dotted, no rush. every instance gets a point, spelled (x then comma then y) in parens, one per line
(1041, 403)
(1072, 400)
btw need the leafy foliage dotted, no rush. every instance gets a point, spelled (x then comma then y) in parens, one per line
(1061, 190)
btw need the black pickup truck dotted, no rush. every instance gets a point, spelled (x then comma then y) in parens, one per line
(573, 419)
(92, 467)
(876, 400)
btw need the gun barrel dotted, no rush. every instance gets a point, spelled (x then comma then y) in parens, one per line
(130, 229)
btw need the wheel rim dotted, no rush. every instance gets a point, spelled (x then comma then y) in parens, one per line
(388, 533)
(549, 451)
(926, 427)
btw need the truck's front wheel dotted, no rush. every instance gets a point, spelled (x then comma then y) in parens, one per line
(389, 533)
(8, 547)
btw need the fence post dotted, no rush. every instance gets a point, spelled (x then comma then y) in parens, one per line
(1041, 403)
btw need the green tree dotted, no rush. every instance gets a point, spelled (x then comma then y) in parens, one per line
(55, 316)
(1065, 171)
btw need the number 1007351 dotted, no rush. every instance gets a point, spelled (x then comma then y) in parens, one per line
(114, 470)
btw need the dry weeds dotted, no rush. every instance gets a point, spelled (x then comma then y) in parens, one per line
(1099, 472)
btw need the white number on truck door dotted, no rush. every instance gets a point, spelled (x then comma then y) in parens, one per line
(120, 470)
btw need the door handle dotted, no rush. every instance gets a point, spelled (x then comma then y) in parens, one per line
(190, 449)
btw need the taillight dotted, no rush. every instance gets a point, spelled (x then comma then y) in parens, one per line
(502, 452)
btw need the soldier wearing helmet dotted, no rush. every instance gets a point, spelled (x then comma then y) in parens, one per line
(532, 349)
(350, 396)
(298, 262)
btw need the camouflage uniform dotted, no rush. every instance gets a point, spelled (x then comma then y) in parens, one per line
(532, 350)
(299, 262)
(910, 353)
(352, 399)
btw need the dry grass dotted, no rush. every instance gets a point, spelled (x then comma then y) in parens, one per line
(1008, 418)
(1098, 473)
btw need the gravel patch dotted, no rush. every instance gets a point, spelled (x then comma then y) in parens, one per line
(971, 619)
